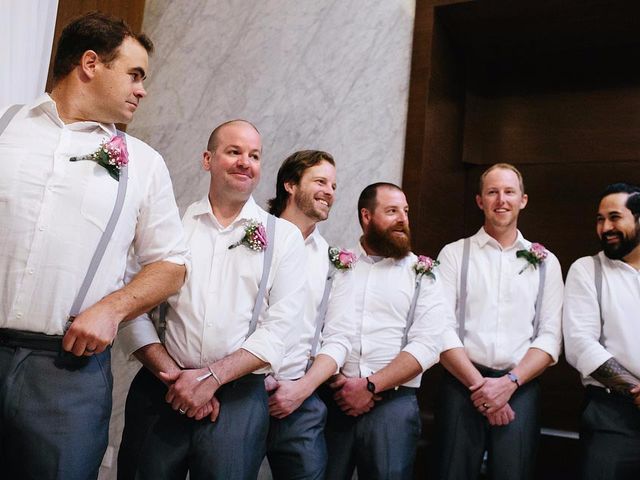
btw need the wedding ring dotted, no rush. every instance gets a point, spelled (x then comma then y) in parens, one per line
(182, 412)
(486, 405)
(90, 350)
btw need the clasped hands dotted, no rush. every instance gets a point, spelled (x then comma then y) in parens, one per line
(192, 393)
(351, 395)
(491, 396)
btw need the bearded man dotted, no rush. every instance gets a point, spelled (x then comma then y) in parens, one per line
(601, 329)
(373, 421)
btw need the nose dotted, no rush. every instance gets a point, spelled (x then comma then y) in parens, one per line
(403, 217)
(243, 160)
(140, 91)
(501, 197)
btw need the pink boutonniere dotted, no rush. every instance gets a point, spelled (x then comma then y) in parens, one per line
(534, 256)
(425, 266)
(111, 155)
(255, 237)
(341, 259)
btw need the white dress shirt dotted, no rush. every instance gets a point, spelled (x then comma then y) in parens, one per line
(383, 291)
(338, 324)
(500, 305)
(53, 213)
(581, 316)
(209, 318)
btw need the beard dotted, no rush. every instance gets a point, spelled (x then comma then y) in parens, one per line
(305, 203)
(624, 246)
(385, 243)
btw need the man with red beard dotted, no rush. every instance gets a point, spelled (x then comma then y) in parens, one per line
(601, 331)
(507, 293)
(373, 419)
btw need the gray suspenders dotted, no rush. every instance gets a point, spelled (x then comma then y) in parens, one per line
(412, 312)
(597, 279)
(266, 267)
(161, 323)
(462, 301)
(104, 241)
(106, 235)
(322, 312)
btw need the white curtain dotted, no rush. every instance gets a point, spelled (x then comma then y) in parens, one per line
(26, 36)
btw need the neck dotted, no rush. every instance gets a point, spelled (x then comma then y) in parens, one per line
(633, 258)
(67, 103)
(225, 210)
(505, 236)
(300, 220)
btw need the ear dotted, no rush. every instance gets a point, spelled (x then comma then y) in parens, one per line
(366, 216)
(289, 187)
(206, 160)
(89, 63)
(479, 202)
(524, 201)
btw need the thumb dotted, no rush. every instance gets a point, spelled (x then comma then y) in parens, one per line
(169, 377)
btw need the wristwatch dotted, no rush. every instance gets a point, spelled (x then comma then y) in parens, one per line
(371, 386)
(514, 378)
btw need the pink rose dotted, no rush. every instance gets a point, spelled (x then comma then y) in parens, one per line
(118, 146)
(427, 262)
(346, 258)
(261, 235)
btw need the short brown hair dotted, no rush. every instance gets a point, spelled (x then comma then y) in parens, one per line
(504, 166)
(291, 171)
(369, 197)
(95, 31)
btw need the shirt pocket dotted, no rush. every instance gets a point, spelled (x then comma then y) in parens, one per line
(99, 197)
(11, 159)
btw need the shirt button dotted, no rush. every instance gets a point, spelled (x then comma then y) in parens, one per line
(41, 228)
(209, 324)
(19, 315)
(31, 271)
(50, 187)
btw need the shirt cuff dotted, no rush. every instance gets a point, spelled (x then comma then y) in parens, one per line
(425, 356)
(450, 340)
(263, 346)
(592, 358)
(137, 333)
(337, 352)
(548, 345)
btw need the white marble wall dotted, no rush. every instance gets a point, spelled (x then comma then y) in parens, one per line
(322, 74)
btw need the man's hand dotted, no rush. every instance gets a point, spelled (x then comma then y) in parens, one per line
(353, 398)
(288, 396)
(337, 381)
(186, 393)
(635, 392)
(92, 331)
(502, 416)
(210, 409)
(492, 394)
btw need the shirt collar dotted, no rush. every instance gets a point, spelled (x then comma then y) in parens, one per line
(250, 210)
(362, 255)
(482, 238)
(314, 238)
(48, 105)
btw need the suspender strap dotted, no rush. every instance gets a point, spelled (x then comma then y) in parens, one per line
(8, 116)
(104, 241)
(266, 267)
(462, 301)
(322, 313)
(597, 279)
(412, 312)
(542, 270)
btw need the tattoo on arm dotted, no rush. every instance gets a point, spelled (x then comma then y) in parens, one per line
(614, 376)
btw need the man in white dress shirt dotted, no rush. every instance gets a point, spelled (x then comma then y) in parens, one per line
(222, 333)
(601, 332)
(296, 447)
(55, 375)
(373, 419)
(507, 294)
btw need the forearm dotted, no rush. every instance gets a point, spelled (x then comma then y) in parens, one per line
(614, 376)
(532, 364)
(152, 285)
(156, 358)
(402, 369)
(236, 365)
(322, 369)
(458, 364)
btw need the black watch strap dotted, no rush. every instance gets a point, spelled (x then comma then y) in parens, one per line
(371, 386)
